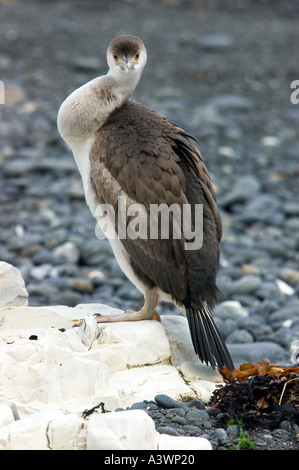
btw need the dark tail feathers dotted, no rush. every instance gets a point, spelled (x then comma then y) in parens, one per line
(206, 339)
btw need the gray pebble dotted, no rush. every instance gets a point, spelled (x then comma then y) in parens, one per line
(253, 352)
(87, 63)
(79, 285)
(236, 102)
(292, 428)
(168, 430)
(225, 326)
(243, 190)
(41, 272)
(182, 407)
(283, 314)
(212, 411)
(246, 284)
(157, 415)
(69, 298)
(140, 405)
(189, 428)
(208, 424)
(180, 412)
(44, 256)
(179, 420)
(268, 437)
(165, 401)
(232, 430)
(67, 252)
(197, 415)
(220, 435)
(197, 403)
(152, 405)
(216, 42)
(239, 336)
(206, 436)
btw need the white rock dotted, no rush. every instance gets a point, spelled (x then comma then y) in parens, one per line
(88, 331)
(91, 309)
(12, 287)
(67, 370)
(25, 318)
(235, 308)
(72, 376)
(121, 430)
(16, 381)
(6, 415)
(177, 331)
(203, 389)
(201, 378)
(19, 411)
(67, 339)
(284, 287)
(45, 372)
(40, 272)
(29, 433)
(118, 343)
(141, 383)
(65, 433)
(167, 442)
(195, 371)
(67, 252)
(81, 311)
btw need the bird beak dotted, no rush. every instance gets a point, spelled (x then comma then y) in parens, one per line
(127, 65)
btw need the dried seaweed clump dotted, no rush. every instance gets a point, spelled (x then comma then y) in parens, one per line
(260, 395)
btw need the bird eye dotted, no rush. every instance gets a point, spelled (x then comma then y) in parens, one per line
(137, 56)
(115, 56)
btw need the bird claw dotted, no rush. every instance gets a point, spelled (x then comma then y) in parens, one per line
(128, 315)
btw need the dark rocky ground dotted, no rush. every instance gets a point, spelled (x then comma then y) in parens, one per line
(222, 70)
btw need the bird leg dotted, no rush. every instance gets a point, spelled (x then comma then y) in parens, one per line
(147, 312)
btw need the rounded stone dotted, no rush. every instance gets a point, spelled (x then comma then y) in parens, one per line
(168, 430)
(140, 405)
(220, 435)
(197, 415)
(246, 284)
(216, 42)
(240, 336)
(197, 403)
(165, 401)
(179, 420)
(233, 430)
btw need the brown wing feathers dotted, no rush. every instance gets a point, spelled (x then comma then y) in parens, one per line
(152, 161)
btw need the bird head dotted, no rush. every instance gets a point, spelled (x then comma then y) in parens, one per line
(126, 55)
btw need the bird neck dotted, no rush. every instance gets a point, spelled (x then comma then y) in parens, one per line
(88, 108)
(122, 84)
